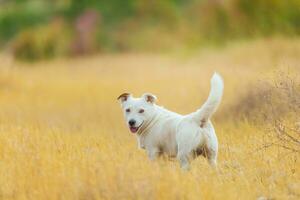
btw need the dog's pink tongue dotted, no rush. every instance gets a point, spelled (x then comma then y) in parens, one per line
(133, 129)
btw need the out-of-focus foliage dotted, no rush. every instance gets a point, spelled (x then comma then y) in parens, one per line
(42, 42)
(123, 25)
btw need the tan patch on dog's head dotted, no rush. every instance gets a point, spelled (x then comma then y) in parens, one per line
(123, 97)
(150, 98)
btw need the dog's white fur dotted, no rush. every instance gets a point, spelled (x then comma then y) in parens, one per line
(184, 136)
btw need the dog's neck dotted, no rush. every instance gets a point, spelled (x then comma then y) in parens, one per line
(148, 124)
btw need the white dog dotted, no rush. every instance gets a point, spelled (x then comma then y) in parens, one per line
(161, 131)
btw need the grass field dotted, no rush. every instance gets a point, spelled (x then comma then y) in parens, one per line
(62, 134)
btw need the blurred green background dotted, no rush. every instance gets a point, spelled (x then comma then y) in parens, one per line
(43, 29)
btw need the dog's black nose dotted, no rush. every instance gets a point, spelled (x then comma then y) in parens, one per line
(131, 122)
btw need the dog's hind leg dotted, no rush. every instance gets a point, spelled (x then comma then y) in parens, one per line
(188, 138)
(184, 152)
(210, 146)
(211, 150)
(183, 159)
(212, 157)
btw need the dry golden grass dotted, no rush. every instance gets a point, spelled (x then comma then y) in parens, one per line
(62, 135)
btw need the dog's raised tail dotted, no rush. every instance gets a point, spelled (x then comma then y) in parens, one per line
(210, 106)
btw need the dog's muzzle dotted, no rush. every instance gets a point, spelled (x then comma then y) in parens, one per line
(134, 129)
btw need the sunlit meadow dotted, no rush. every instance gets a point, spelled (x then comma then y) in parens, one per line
(62, 134)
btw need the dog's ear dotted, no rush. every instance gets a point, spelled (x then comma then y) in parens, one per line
(150, 98)
(124, 97)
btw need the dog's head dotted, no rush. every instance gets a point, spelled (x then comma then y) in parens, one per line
(137, 110)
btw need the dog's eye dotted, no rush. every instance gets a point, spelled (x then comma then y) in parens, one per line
(127, 110)
(141, 110)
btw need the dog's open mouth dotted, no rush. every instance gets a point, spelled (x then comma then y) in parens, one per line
(134, 129)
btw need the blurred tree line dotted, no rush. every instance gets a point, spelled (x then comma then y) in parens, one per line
(39, 29)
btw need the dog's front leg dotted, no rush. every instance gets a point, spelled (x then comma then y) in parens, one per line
(152, 153)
